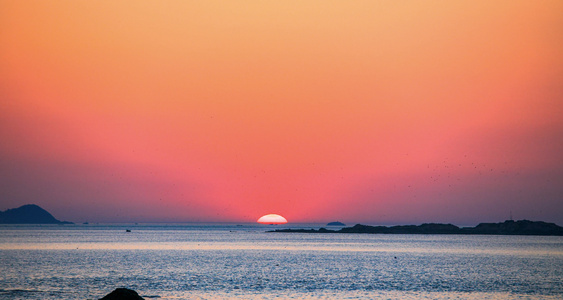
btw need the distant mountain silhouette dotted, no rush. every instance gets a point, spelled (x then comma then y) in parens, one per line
(522, 227)
(28, 214)
(336, 224)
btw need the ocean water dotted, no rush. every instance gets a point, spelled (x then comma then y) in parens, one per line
(230, 261)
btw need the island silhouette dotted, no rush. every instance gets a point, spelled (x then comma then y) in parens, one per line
(336, 223)
(509, 227)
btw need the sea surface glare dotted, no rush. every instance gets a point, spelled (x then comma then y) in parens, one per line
(229, 261)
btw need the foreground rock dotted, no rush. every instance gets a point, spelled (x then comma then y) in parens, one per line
(122, 294)
(28, 214)
(522, 227)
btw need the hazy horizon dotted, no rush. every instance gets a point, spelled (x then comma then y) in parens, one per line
(366, 111)
(289, 223)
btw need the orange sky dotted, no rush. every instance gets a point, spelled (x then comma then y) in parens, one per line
(359, 111)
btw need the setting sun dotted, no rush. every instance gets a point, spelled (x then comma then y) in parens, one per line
(272, 219)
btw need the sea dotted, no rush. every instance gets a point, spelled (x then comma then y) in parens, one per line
(245, 261)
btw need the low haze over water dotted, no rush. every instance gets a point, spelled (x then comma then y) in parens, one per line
(229, 261)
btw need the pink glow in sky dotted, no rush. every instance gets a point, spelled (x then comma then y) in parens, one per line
(363, 111)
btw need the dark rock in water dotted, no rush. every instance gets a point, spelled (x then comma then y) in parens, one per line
(122, 294)
(335, 224)
(28, 214)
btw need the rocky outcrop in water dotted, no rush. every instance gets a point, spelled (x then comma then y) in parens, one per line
(522, 227)
(122, 294)
(28, 214)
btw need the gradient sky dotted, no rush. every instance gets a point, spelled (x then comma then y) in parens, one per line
(380, 112)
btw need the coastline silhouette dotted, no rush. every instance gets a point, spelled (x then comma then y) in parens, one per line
(509, 227)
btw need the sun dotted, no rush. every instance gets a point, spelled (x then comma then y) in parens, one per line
(272, 219)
